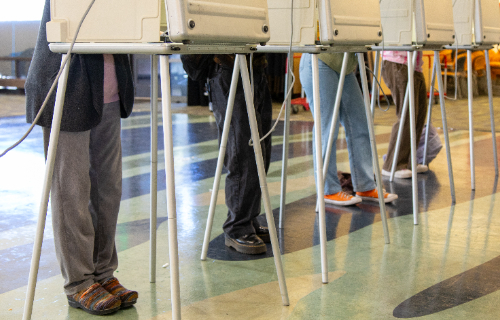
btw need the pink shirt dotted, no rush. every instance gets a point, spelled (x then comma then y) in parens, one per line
(402, 58)
(110, 82)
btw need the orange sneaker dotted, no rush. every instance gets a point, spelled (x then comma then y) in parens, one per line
(372, 195)
(342, 199)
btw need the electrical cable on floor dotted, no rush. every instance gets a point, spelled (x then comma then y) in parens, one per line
(54, 84)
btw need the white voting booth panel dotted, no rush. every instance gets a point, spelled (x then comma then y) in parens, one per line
(339, 22)
(208, 21)
(107, 21)
(407, 22)
(218, 21)
(477, 22)
(354, 22)
(304, 22)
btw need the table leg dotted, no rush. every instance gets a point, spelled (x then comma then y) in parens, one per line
(320, 181)
(286, 138)
(471, 122)
(375, 88)
(371, 130)
(47, 183)
(154, 169)
(429, 112)
(492, 117)
(445, 124)
(262, 177)
(169, 172)
(413, 137)
(220, 159)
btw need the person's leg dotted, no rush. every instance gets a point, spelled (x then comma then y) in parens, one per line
(74, 231)
(106, 188)
(328, 83)
(105, 196)
(353, 118)
(264, 114)
(242, 188)
(71, 221)
(396, 77)
(420, 104)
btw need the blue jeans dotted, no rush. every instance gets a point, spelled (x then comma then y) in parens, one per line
(352, 116)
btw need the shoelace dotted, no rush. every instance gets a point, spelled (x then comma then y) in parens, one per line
(344, 195)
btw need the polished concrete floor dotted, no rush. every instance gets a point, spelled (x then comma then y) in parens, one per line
(446, 267)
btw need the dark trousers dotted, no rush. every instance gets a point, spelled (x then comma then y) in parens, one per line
(396, 77)
(243, 194)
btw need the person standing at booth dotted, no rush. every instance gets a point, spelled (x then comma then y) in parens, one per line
(395, 74)
(87, 180)
(352, 115)
(242, 230)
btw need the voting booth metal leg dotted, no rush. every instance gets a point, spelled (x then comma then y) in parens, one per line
(286, 137)
(429, 112)
(492, 117)
(220, 159)
(173, 251)
(371, 130)
(471, 122)
(320, 181)
(154, 169)
(262, 178)
(413, 137)
(47, 184)
(375, 88)
(335, 118)
(437, 67)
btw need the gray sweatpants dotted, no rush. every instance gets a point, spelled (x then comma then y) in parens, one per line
(85, 200)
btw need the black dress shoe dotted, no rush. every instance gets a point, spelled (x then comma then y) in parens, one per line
(248, 244)
(263, 233)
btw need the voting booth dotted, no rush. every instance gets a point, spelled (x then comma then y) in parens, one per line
(477, 26)
(185, 21)
(417, 22)
(326, 22)
(477, 22)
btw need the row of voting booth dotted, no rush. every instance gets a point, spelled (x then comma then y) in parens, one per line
(164, 27)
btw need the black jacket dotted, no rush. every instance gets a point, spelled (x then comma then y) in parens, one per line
(84, 98)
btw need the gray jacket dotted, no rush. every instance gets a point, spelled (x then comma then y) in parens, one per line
(84, 97)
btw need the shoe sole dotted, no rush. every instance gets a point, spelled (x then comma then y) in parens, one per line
(354, 200)
(78, 305)
(423, 170)
(245, 249)
(396, 175)
(128, 304)
(386, 200)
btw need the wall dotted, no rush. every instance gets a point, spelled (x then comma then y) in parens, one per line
(16, 36)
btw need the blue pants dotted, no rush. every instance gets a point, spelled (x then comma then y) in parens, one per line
(352, 116)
